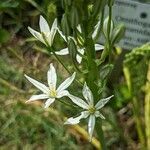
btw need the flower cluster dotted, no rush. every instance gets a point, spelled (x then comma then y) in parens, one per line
(52, 92)
(47, 37)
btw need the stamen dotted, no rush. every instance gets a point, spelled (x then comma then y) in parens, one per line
(53, 92)
(92, 110)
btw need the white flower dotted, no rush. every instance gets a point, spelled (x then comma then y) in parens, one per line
(46, 35)
(65, 51)
(90, 110)
(50, 92)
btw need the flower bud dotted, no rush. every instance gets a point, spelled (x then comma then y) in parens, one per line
(65, 25)
(98, 6)
(105, 27)
(72, 48)
(105, 71)
(118, 33)
(74, 17)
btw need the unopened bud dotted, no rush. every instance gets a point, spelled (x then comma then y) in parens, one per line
(74, 17)
(105, 27)
(118, 33)
(65, 25)
(72, 48)
(98, 6)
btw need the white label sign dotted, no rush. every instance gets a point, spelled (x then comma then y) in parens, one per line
(136, 18)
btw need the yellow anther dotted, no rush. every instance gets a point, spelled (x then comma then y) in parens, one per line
(53, 93)
(92, 110)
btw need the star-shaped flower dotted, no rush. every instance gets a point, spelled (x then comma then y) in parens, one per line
(46, 35)
(90, 110)
(50, 92)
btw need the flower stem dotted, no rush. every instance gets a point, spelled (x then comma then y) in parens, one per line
(65, 67)
(59, 60)
(63, 102)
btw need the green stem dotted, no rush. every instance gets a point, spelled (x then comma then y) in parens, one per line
(51, 50)
(93, 73)
(91, 81)
(63, 102)
(66, 67)
(109, 32)
(59, 60)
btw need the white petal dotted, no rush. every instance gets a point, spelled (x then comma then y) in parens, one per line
(37, 97)
(64, 51)
(76, 120)
(78, 57)
(98, 47)
(79, 28)
(66, 83)
(36, 34)
(91, 125)
(49, 102)
(39, 85)
(102, 102)
(52, 32)
(87, 94)
(54, 27)
(81, 50)
(62, 93)
(61, 34)
(52, 77)
(44, 27)
(98, 114)
(78, 101)
(95, 30)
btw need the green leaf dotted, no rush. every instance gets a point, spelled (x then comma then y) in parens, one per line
(65, 25)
